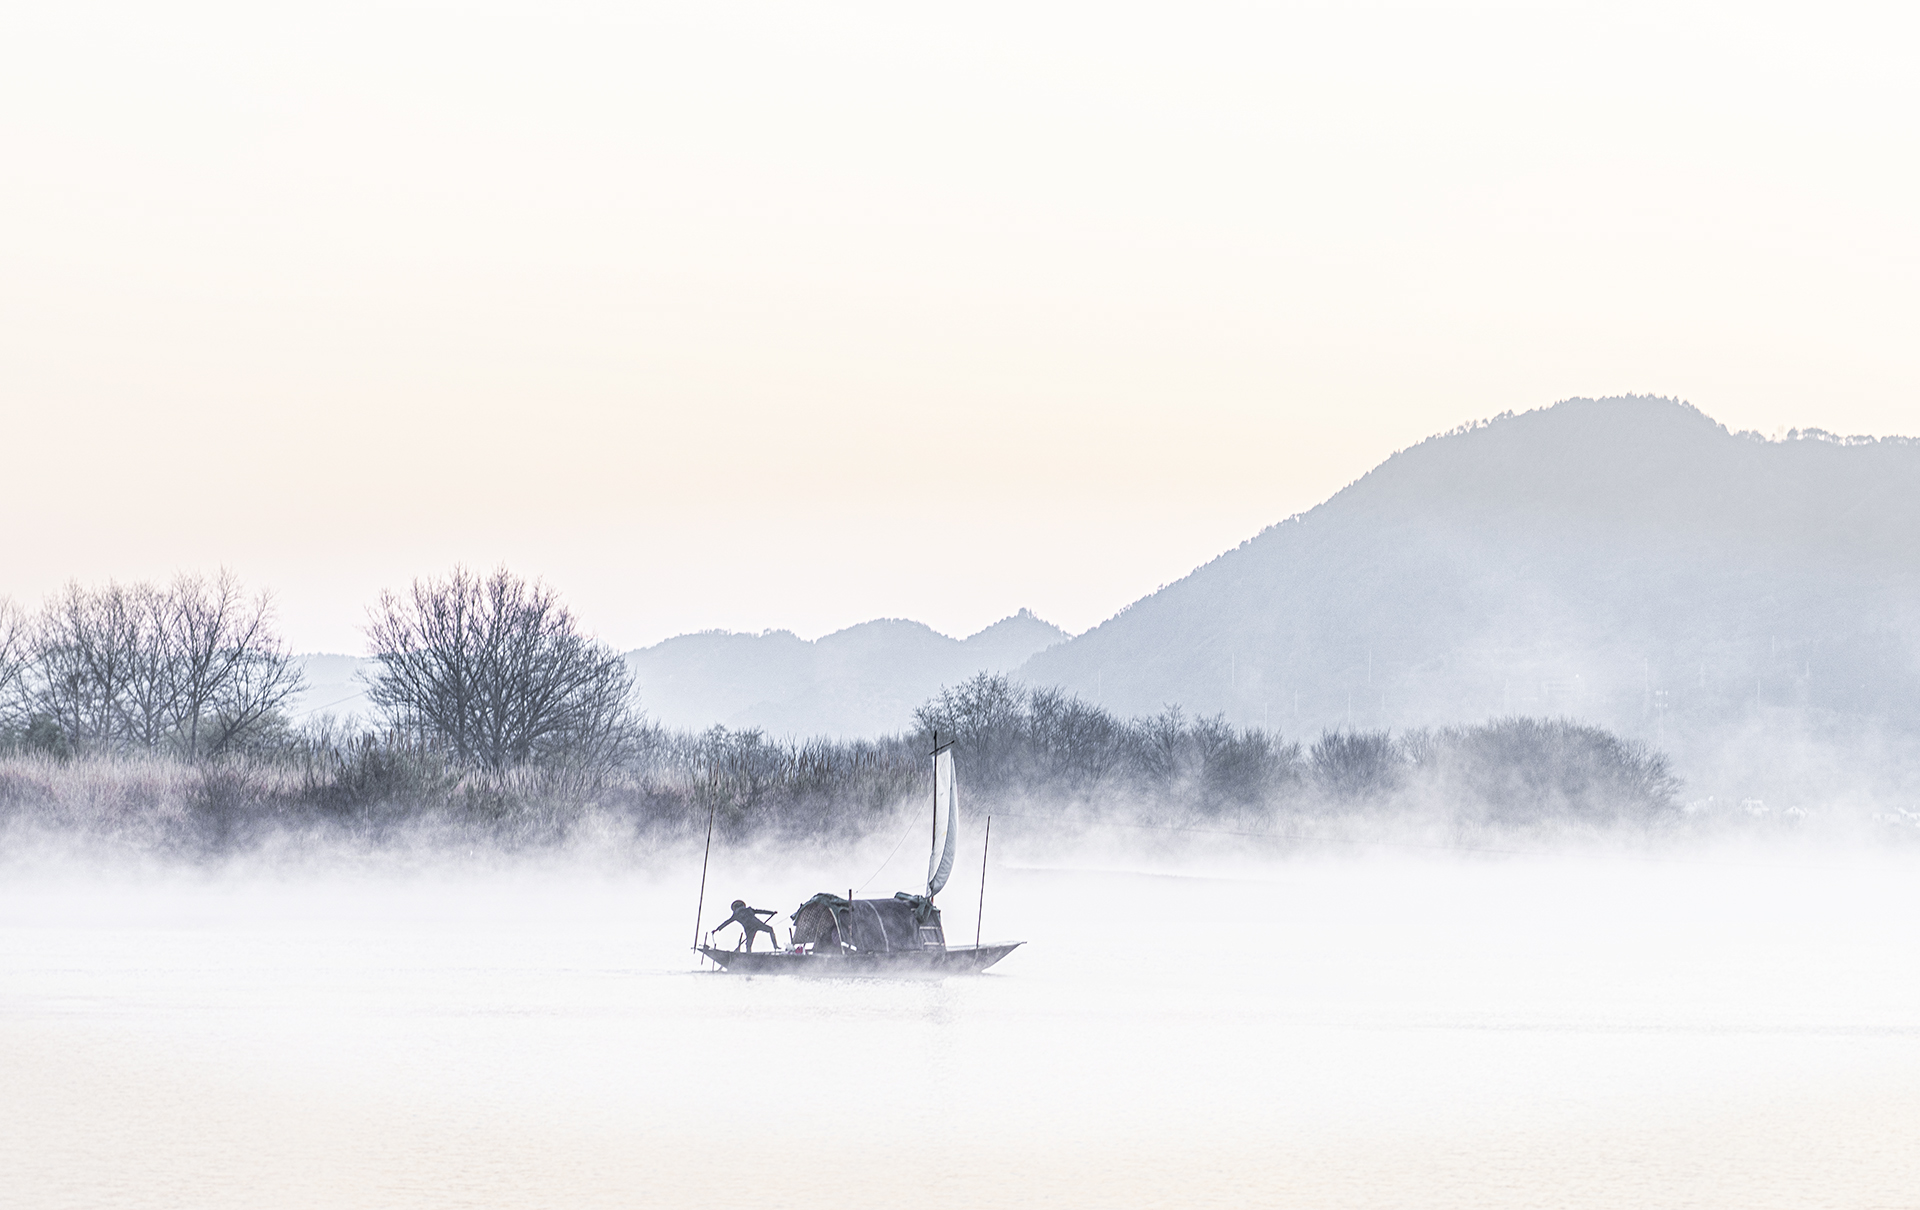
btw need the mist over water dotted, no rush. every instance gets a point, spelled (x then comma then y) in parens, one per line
(1203, 1024)
(463, 468)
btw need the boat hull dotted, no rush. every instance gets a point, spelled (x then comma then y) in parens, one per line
(893, 964)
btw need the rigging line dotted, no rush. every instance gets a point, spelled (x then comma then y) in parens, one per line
(896, 848)
(330, 705)
(1415, 844)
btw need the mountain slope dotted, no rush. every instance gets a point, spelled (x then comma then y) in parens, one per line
(1627, 560)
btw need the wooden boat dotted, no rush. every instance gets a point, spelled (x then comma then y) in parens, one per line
(901, 937)
(893, 964)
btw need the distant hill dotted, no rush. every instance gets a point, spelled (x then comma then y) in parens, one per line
(1623, 560)
(861, 681)
(864, 680)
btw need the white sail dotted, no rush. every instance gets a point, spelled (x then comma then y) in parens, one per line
(940, 861)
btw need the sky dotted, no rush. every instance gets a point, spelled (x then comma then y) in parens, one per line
(753, 316)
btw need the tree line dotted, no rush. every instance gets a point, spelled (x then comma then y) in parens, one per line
(498, 711)
(1038, 742)
(192, 668)
(493, 670)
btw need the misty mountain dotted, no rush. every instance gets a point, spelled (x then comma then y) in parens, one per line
(861, 681)
(1628, 562)
(1624, 560)
(864, 680)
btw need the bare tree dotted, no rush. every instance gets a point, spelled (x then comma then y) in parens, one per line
(1160, 743)
(1241, 767)
(496, 669)
(1352, 766)
(15, 645)
(229, 671)
(986, 716)
(148, 704)
(1514, 770)
(1074, 741)
(195, 668)
(85, 649)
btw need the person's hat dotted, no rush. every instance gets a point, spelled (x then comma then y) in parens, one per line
(739, 903)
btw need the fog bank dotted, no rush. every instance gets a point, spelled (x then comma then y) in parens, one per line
(1431, 1029)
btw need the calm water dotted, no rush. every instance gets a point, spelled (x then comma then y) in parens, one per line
(1364, 1032)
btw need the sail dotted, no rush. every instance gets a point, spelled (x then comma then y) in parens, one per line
(940, 861)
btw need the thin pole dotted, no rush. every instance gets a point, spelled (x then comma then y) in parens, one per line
(981, 910)
(933, 837)
(701, 910)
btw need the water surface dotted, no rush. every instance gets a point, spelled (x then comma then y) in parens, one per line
(1363, 1032)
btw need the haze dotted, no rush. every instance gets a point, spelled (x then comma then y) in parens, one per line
(760, 315)
(1676, 1033)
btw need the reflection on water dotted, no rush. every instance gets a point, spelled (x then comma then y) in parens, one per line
(1354, 1033)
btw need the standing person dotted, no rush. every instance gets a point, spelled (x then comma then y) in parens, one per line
(751, 926)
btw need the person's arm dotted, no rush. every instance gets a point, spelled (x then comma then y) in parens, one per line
(766, 911)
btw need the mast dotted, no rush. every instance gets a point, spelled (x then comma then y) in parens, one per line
(701, 908)
(980, 912)
(933, 837)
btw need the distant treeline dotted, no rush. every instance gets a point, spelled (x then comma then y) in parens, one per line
(156, 715)
(1020, 742)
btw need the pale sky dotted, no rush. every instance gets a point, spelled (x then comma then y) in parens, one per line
(790, 315)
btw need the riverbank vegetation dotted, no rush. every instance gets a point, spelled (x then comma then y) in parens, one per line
(155, 715)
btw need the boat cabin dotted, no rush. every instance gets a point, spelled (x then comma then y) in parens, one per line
(828, 923)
